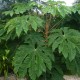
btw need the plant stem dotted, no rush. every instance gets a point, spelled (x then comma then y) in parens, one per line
(48, 20)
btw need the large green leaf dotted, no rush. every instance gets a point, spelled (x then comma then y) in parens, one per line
(23, 23)
(20, 8)
(56, 8)
(66, 41)
(34, 38)
(32, 58)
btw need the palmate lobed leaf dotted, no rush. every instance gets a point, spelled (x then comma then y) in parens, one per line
(17, 24)
(56, 8)
(20, 8)
(34, 38)
(23, 23)
(32, 58)
(66, 41)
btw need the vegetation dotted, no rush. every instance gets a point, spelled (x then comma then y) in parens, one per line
(77, 1)
(40, 41)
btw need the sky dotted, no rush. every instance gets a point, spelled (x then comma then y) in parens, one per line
(68, 2)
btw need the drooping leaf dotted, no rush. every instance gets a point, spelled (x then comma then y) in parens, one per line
(56, 8)
(23, 23)
(56, 75)
(20, 8)
(66, 41)
(32, 58)
(11, 13)
(74, 66)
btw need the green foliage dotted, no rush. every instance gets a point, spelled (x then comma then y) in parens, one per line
(22, 37)
(20, 8)
(74, 66)
(23, 23)
(56, 8)
(33, 58)
(57, 73)
(4, 61)
(76, 8)
(66, 40)
(2, 31)
(77, 2)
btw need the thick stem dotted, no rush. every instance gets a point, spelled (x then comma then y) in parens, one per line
(46, 29)
(47, 25)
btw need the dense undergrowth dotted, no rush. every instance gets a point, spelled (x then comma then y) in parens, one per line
(40, 41)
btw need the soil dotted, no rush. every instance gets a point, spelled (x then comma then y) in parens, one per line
(11, 77)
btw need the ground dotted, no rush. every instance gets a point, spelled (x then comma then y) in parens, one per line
(66, 77)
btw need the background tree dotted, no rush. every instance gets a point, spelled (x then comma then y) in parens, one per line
(77, 2)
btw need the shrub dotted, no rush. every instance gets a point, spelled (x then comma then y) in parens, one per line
(43, 45)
